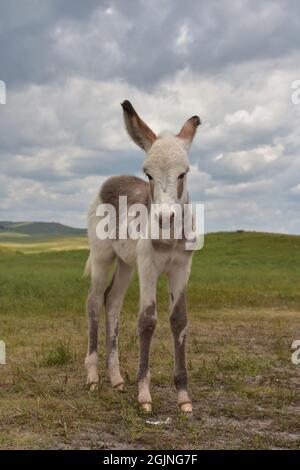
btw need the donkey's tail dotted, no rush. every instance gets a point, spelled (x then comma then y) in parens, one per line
(88, 267)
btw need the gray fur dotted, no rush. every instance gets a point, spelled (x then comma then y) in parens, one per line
(93, 308)
(163, 246)
(179, 322)
(136, 190)
(146, 326)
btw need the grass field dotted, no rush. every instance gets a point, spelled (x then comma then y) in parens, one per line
(40, 244)
(244, 303)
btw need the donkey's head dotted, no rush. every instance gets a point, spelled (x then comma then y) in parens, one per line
(166, 164)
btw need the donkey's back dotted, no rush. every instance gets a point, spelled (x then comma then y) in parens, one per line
(135, 189)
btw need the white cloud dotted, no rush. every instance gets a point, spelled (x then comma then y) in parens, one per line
(61, 129)
(62, 132)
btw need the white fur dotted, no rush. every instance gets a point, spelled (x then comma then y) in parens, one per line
(166, 159)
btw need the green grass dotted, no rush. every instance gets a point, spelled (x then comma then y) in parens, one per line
(12, 235)
(57, 356)
(41, 243)
(233, 270)
(250, 269)
(244, 302)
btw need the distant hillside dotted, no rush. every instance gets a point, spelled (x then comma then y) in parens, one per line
(25, 231)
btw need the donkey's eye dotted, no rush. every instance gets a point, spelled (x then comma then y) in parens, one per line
(149, 176)
(180, 177)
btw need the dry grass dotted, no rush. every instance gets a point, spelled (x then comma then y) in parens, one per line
(245, 388)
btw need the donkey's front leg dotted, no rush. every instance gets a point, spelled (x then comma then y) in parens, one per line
(146, 326)
(178, 278)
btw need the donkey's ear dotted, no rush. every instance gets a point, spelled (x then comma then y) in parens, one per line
(188, 130)
(138, 130)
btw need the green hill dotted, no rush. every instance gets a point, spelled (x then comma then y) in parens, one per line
(34, 231)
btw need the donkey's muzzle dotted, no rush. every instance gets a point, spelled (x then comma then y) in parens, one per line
(165, 220)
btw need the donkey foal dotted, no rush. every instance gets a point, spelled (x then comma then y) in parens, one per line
(166, 166)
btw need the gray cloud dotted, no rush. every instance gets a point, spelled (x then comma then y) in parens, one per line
(68, 65)
(141, 42)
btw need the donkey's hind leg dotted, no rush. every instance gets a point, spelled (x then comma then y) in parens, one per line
(113, 301)
(99, 274)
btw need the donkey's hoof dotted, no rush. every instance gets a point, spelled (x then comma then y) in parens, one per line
(146, 407)
(119, 387)
(186, 408)
(93, 387)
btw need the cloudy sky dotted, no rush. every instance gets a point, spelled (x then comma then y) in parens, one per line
(68, 64)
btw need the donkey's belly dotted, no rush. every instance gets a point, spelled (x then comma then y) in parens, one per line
(126, 250)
